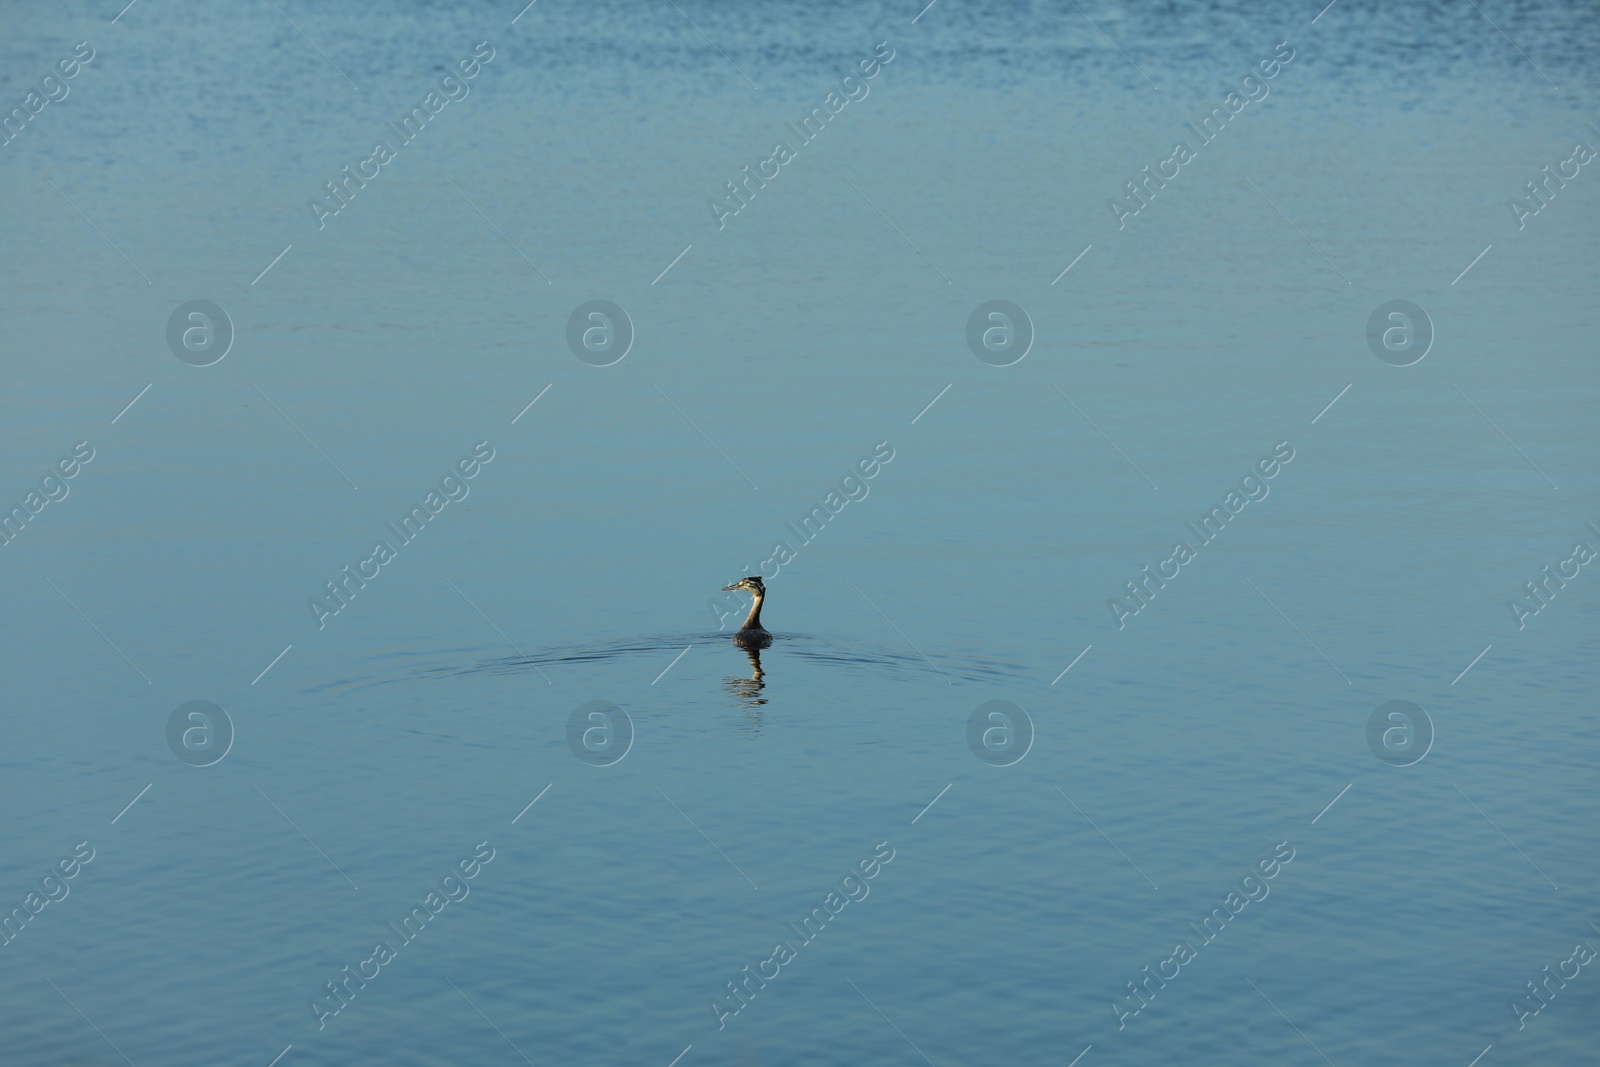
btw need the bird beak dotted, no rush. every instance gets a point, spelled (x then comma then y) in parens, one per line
(728, 587)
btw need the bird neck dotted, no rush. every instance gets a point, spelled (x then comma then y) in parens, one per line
(753, 622)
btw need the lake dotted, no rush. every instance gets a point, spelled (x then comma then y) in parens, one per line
(1160, 429)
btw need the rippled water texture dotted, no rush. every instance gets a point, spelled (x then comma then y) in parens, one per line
(1195, 626)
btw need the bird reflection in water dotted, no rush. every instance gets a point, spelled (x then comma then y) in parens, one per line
(748, 690)
(752, 637)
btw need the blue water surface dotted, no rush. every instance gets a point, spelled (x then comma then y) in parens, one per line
(1178, 723)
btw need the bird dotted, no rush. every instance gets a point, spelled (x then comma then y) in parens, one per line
(752, 634)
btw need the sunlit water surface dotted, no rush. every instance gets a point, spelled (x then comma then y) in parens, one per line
(423, 718)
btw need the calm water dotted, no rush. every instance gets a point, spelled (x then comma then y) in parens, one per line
(406, 737)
